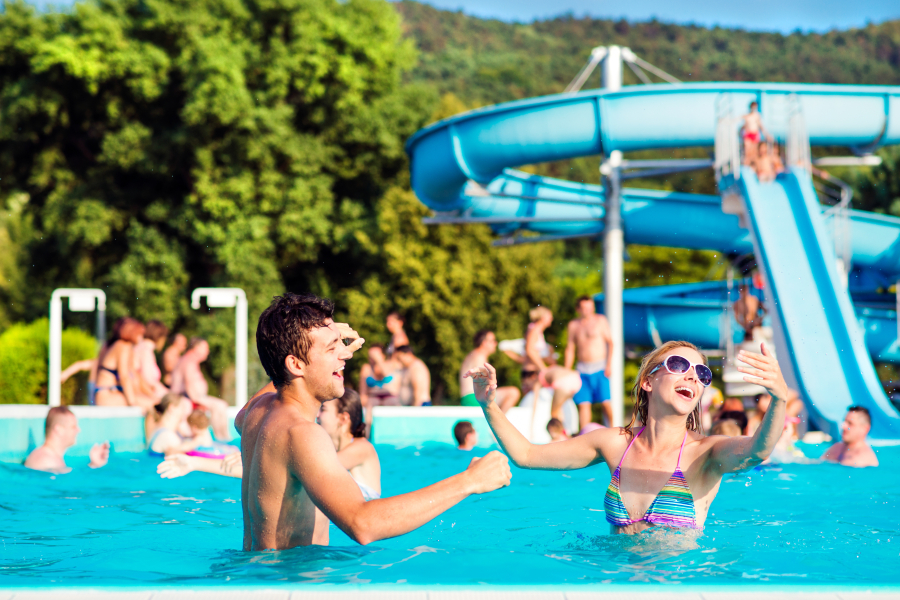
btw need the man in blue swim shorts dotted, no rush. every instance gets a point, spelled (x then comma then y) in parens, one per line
(590, 338)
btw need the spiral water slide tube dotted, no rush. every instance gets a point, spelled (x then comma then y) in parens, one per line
(462, 166)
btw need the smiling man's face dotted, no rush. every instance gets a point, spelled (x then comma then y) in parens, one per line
(324, 375)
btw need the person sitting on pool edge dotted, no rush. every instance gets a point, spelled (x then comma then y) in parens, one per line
(289, 462)
(465, 435)
(852, 450)
(667, 473)
(484, 345)
(60, 433)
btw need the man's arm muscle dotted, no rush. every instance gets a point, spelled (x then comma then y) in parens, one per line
(334, 492)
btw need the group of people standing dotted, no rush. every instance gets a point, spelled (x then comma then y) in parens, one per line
(585, 381)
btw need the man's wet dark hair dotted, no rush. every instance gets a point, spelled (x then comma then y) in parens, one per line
(461, 430)
(284, 330)
(479, 337)
(583, 299)
(405, 349)
(863, 411)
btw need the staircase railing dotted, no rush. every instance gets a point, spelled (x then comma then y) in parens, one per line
(727, 142)
(831, 191)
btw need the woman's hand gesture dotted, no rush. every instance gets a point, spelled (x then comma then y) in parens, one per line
(484, 380)
(763, 370)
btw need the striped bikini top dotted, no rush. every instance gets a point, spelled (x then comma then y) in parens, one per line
(672, 507)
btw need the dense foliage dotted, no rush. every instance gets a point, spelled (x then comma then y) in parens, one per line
(149, 147)
(23, 363)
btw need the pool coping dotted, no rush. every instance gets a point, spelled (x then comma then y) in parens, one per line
(461, 592)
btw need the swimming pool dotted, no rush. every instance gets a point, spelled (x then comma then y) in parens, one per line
(123, 527)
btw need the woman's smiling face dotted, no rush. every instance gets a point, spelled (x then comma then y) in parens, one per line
(679, 391)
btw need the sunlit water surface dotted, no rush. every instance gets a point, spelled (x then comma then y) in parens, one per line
(123, 526)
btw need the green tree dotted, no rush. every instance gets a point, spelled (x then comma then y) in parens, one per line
(149, 147)
(449, 282)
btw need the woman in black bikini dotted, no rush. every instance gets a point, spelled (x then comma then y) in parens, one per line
(112, 381)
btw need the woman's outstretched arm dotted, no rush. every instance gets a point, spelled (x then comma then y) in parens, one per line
(575, 453)
(739, 453)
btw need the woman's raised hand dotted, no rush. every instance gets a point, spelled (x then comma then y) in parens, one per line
(484, 380)
(763, 370)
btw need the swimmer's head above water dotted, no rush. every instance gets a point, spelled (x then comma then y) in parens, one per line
(298, 341)
(658, 391)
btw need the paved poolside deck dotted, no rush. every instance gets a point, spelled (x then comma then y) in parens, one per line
(604, 593)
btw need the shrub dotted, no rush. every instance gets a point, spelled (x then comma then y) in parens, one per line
(23, 363)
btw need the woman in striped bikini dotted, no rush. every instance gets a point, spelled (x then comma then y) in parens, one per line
(665, 472)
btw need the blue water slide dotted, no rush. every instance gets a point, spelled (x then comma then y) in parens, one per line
(480, 144)
(518, 200)
(813, 313)
(696, 312)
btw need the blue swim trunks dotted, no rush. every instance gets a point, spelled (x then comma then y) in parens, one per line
(594, 384)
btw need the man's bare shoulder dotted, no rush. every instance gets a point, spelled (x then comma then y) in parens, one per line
(41, 459)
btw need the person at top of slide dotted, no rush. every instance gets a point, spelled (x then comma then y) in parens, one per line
(485, 343)
(342, 420)
(188, 381)
(60, 433)
(395, 323)
(666, 473)
(113, 380)
(172, 355)
(290, 465)
(415, 387)
(591, 338)
(752, 131)
(852, 450)
(537, 352)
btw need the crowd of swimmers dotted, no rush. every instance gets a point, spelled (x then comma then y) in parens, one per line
(304, 459)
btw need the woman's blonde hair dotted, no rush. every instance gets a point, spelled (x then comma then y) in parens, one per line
(642, 398)
(538, 312)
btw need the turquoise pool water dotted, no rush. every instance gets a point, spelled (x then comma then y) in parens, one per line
(122, 526)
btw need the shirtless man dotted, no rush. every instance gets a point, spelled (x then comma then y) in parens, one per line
(591, 338)
(416, 387)
(748, 311)
(290, 464)
(485, 345)
(188, 380)
(60, 433)
(172, 355)
(752, 132)
(395, 323)
(852, 450)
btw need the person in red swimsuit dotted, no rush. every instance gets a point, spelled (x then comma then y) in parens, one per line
(752, 131)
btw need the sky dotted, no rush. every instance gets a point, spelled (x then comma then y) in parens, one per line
(760, 15)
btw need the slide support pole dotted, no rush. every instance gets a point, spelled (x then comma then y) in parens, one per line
(613, 280)
(614, 247)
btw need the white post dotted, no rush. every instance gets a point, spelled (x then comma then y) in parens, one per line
(613, 278)
(228, 298)
(611, 75)
(614, 247)
(80, 300)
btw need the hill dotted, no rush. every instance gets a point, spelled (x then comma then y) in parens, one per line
(488, 61)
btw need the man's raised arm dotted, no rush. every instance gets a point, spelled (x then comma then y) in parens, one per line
(334, 492)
